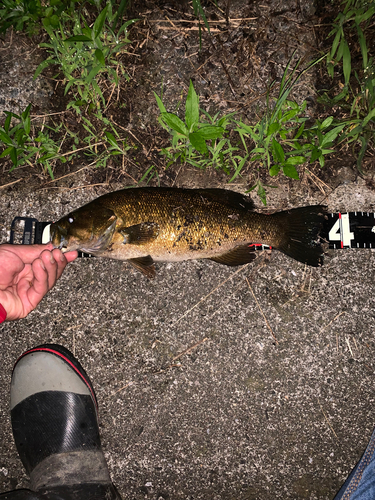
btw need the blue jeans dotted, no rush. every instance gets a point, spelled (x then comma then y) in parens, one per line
(360, 484)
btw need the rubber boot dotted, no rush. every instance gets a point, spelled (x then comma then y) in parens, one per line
(54, 415)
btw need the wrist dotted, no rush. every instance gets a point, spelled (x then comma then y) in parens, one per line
(3, 314)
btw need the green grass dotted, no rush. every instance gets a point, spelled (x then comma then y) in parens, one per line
(357, 95)
(280, 141)
(84, 42)
(83, 53)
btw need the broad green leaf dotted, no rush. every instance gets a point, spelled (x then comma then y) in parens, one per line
(191, 107)
(274, 170)
(346, 62)
(198, 142)
(369, 117)
(42, 66)
(87, 31)
(27, 125)
(262, 194)
(335, 44)
(295, 160)
(340, 49)
(362, 43)
(300, 131)
(175, 123)
(6, 152)
(211, 132)
(326, 123)
(54, 21)
(315, 154)
(7, 122)
(78, 38)
(100, 57)
(111, 139)
(13, 156)
(330, 69)
(274, 127)
(93, 74)
(48, 12)
(331, 135)
(290, 171)
(278, 151)
(99, 22)
(5, 138)
(160, 103)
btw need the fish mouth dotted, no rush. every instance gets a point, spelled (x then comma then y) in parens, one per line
(61, 240)
(58, 237)
(93, 244)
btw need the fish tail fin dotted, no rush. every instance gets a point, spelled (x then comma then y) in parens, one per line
(303, 227)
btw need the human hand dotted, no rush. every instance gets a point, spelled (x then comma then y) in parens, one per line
(27, 273)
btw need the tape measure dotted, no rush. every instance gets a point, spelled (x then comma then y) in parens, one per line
(340, 230)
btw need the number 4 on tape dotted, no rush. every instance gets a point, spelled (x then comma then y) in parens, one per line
(351, 230)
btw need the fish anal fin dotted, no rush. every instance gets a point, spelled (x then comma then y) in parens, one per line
(139, 234)
(236, 257)
(145, 265)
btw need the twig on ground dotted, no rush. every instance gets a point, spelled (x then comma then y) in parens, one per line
(10, 183)
(334, 319)
(212, 291)
(260, 309)
(189, 349)
(328, 422)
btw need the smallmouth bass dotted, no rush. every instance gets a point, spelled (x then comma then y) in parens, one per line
(147, 225)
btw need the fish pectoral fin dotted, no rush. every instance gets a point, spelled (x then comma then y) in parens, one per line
(139, 234)
(237, 256)
(145, 265)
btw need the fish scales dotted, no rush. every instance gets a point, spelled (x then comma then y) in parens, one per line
(170, 224)
(187, 224)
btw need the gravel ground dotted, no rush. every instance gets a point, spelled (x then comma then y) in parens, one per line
(197, 398)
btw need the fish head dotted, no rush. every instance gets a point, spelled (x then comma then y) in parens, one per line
(84, 229)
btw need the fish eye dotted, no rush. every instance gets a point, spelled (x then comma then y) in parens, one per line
(70, 220)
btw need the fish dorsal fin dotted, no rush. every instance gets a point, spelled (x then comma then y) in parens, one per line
(236, 257)
(140, 234)
(230, 198)
(145, 265)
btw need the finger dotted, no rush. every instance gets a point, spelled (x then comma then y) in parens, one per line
(70, 256)
(63, 259)
(27, 253)
(61, 262)
(32, 292)
(51, 267)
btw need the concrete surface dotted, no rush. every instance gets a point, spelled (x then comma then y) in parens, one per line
(238, 415)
